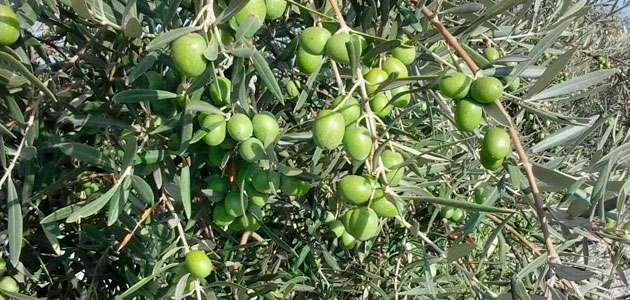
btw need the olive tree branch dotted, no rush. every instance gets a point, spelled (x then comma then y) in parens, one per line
(527, 167)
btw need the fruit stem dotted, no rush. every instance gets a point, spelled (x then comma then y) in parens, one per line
(527, 167)
(343, 27)
(180, 229)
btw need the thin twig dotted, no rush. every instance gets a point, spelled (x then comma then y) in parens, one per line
(18, 152)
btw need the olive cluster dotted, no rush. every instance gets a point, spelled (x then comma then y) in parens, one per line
(603, 63)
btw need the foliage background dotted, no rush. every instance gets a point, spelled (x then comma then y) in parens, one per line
(83, 56)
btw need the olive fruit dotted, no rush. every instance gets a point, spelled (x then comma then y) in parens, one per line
(347, 241)
(336, 228)
(490, 163)
(266, 128)
(215, 156)
(374, 77)
(447, 212)
(480, 195)
(251, 149)
(9, 26)
(391, 161)
(251, 219)
(458, 215)
(275, 8)
(491, 54)
(266, 181)
(328, 129)
(486, 89)
(496, 143)
(383, 208)
(306, 62)
(467, 115)
(405, 54)
(313, 40)
(336, 48)
(393, 65)
(233, 205)
(363, 223)
(240, 127)
(401, 96)
(380, 105)
(253, 7)
(7, 283)
(217, 188)
(220, 217)
(354, 189)
(455, 86)
(255, 197)
(357, 142)
(220, 91)
(215, 125)
(293, 186)
(513, 83)
(198, 264)
(350, 109)
(187, 53)
(293, 88)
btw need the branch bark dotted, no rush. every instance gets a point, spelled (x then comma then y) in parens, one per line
(527, 167)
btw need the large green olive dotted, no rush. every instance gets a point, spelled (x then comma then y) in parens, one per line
(380, 105)
(251, 149)
(467, 115)
(313, 40)
(265, 181)
(198, 264)
(391, 161)
(486, 89)
(253, 7)
(350, 109)
(217, 187)
(374, 77)
(275, 8)
(357, 142)
(401, 96)
(216, 129)
(354, 189)
(363, 223)
(306, 62)
(393, 65)
(266, 128)
(383, 208)
(455, 86)
(491, 54)
(233, 205)
(348, 241)
(9, 26)
(496, 143)
(405, 54)
(336, 48)
(490, 163)
(336, 228)
(240, 127)
(328, 129)
(187, 53)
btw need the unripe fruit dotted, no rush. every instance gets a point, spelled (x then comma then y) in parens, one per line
(240, 127)
(9, 26)
(350, 109)
(486, 89)
(266, 128)
(374, 77)
(383, 208)
(293, 186)
(251, 149)
(187, 53)
(541, 136)
(491, 54)
(363, 223)
(216, 129)
(336, 228)
(480, 195)
(198, 264)
(293, 88)
(348, 241)
(328, 129)
(313, 40)
(513, 83)
(219, 216)
(275, 8)
(354, 189)
(547, 123)
(255, 197)
(357, 142)
(455, 86)
(490, 163)
(458, 215)
(401, 96)
(254, 7)
(447, 212)
(233, 205)
(215, 156)
(220, 92)
(391, 161)
(7, 283)
(496, 143)
(405, 54)
(467, 115)
(393, 65)
(306, 62)
(218, 186)
(237, 225)
(336, 48)
(380, 105)
(267, 182)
